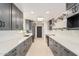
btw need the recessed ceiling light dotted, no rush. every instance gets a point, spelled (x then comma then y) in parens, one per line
(32, 12)
(47, 12)
(40, 19)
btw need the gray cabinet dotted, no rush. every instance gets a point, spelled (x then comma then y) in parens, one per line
(33, 31)
(47, 37)
(28, 26)
(14, 18)
(50, 24)
(13, 52)
(58, 49)
(17, 18)
(54, 46)
(21, 20)
(21, 49)
(66, 52)
(11, 18)
(69, 5)
(5, 16)
(24, 47)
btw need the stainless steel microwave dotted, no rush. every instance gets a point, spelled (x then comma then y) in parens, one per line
(73, 17)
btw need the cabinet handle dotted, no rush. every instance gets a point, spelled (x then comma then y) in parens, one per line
(55, 45)
(3, 25)
(55, 52)
(66, 50)
(16, 26)
(0, 23)
(14, 54)
(55, 42)
(13, 50)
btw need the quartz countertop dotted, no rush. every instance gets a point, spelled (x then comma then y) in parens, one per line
(10, 39)
(68, 39)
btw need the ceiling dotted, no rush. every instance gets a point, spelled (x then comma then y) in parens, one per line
(45, 11)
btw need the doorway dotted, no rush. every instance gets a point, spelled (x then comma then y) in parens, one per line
(39, 31)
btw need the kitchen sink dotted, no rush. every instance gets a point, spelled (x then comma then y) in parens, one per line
(26, 35)
(53, 34)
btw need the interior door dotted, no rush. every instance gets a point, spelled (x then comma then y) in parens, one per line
(39, 31)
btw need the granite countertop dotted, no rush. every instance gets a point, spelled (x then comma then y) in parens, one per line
(9, 40)
(70, 40)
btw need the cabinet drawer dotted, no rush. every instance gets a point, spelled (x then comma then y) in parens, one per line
(51, 43)
(12, 53)
(71, 54)
(58, 49)
(66, 52)
(47, 40)
(55, 52)
(56, 45)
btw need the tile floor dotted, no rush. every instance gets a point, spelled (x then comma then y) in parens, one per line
(39, 48)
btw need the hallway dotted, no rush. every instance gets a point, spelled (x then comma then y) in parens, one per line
(39, 48)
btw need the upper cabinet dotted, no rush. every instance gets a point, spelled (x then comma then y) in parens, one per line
(28, 25)
(17, 18)
(5, 16)
(50, 24)
(69, 5)
(11, 18)
(72, 9)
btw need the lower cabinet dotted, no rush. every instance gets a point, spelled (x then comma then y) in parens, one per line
(13, 52)
(55, 48)
(21, 49)
(47, 40)
(58, 49)
(66, 52)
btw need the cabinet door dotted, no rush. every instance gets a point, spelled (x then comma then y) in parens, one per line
(47, 37)
(69, 5)
(21, 20)
(66, 52)
(14, 17)
(13, 52)
(21, 49)
(51, 45)
(29, 41)
(57, 49)
(17, 18)
(5, 16)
